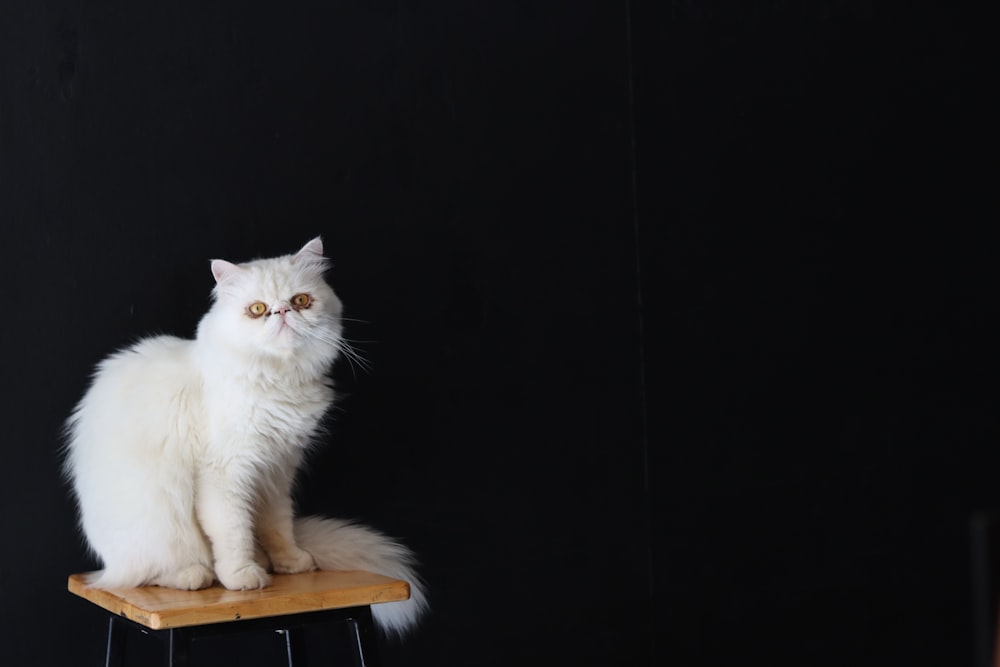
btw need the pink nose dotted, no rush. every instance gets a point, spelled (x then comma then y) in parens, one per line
(280, 310)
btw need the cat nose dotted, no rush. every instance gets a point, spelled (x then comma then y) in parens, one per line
(280, 310)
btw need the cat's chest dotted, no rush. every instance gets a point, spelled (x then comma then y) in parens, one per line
(266, 415)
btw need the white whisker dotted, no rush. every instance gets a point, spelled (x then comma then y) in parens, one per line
(354, 359)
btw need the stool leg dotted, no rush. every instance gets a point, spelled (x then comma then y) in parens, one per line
(364, 628)
(295, 651)
(178, 648)
(115, 654)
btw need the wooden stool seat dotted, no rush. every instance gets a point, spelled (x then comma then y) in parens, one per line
(289, 602)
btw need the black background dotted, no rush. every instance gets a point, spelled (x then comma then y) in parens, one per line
(681, 316)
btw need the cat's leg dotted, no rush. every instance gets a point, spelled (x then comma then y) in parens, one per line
(153, 508)
(187, 561)
(261, 558)
(190, 578)
(274, 531)
(226, 515)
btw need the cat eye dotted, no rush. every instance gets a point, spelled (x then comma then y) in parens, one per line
(300, 301)
(256, 309)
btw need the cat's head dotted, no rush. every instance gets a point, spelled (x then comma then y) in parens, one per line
(279, 308)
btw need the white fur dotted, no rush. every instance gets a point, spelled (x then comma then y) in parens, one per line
(183, 453)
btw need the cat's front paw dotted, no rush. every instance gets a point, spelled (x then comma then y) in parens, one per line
(243, 578)
(293, 561)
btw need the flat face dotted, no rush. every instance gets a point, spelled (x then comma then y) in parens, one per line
(160, 608)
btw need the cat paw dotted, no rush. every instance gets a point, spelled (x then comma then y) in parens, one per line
(293, 561)
(191, 578)
(243, 578)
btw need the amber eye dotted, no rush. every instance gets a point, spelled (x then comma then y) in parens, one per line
(256, 309)
(300, 301)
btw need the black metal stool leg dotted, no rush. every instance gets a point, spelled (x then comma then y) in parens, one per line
(295, 651)
(178, 640)
(178, 648)
(115, 654)
(364, 627)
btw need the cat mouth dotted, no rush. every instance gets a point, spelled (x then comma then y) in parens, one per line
(284, 326)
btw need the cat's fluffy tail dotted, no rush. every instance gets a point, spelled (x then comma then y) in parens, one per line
(336, 544)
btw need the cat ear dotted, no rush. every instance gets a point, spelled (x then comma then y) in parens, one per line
(224, 271)
(312, 250)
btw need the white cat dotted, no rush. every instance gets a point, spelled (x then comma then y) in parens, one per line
(182, 453)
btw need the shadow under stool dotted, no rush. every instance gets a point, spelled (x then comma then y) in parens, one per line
(290, 603)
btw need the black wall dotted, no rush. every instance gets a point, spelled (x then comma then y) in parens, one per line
(680, 316)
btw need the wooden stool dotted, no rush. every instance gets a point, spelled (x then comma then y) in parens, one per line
(290, 602)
